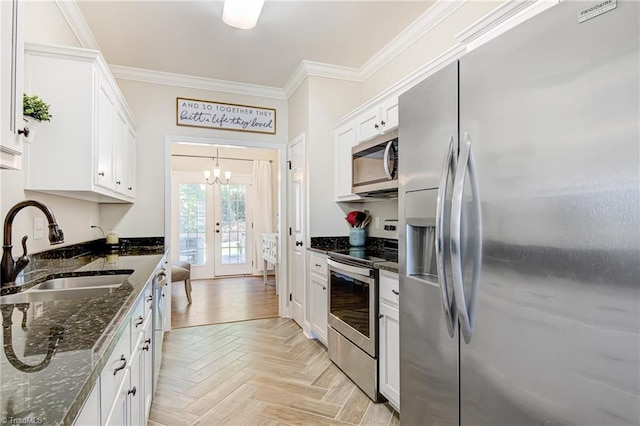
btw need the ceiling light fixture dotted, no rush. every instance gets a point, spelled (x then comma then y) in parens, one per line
(216, 173)
(242, 14)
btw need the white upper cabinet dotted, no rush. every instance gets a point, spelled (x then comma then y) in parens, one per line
(344, 140)
(88, 149)
(377, 120)
(11, 84)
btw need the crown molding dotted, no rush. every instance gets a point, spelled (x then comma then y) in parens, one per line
(433, 16)
(318, 69)
(72, 14)
(501, 19)
(433, 66)
(425, 23)
(202, 83)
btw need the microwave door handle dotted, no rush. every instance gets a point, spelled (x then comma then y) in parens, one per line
(385, 161)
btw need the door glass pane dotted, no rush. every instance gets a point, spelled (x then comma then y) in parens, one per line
(192, 222)
(233, 227)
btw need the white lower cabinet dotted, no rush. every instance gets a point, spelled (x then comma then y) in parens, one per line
(90, 413)
(123, 393)
(389, 325)
(319, 295)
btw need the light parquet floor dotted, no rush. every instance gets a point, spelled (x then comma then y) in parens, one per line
(261, 372)
(223, 300)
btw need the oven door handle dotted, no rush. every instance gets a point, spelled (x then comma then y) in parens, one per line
(363, 273)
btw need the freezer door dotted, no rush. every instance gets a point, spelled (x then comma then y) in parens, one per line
(428, 352)
(428, 121)
(551, 109)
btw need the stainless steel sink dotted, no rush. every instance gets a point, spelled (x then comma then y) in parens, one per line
(30, 295)
(74, 283)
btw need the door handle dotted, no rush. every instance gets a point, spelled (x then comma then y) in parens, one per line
(298, 243)
(396, 292)
(448, 302)
(385, 161)
(217, 231)
(465, 309)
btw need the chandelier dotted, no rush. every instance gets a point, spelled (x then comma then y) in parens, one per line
(216, 173)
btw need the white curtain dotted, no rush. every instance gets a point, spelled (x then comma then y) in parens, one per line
(262, 210)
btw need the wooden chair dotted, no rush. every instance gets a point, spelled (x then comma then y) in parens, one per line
(181, 271)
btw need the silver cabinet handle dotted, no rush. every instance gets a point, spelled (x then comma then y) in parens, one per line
(448, 303)
(465, 309)
(385, 161)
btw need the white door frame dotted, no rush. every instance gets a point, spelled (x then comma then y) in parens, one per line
(283, 297)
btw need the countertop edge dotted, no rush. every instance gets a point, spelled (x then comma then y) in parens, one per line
(112, 337)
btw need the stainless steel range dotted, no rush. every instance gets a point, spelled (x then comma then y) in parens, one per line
(353, 313)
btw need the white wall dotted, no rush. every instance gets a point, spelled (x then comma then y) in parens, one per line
(329, 99)
(154, 109)
(45, 24)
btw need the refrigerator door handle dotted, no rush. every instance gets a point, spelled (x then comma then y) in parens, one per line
(448, 302)
(465, 309)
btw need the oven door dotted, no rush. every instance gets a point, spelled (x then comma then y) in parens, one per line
(352, 304)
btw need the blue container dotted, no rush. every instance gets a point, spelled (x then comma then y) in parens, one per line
(357, 237)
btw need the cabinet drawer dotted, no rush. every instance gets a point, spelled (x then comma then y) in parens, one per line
(389, 288)
(318, 264)
(114, 372)
(148, 297)
(136, 322)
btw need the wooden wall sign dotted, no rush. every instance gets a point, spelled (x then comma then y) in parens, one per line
(223, 116)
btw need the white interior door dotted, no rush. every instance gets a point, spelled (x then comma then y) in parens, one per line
(297, 226)
(191, 220)
(232, 230)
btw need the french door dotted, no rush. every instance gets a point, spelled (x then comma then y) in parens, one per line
(210, 225)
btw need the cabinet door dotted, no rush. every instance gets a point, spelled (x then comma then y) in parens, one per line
(319, 306)
(130, 163)
(345, 139)
(104, 173)
(390, 354)
(121, 151)
(147, 364)
(368, 124)
(389, 115)
(90, 413)
(136, 392)
(11, 83)
(118, 415)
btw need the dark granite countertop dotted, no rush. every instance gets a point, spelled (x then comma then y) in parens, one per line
(37, 388)
(388, 266)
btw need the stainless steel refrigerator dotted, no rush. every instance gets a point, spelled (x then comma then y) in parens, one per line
(519, 196)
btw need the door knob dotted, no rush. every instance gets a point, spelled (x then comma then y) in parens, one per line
(217, 231)
(298, 243)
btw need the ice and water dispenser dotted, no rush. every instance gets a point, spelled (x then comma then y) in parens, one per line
(420, 220)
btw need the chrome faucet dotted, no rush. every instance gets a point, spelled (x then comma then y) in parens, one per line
(10, 268)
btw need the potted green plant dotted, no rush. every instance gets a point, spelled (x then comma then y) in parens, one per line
(34, 112)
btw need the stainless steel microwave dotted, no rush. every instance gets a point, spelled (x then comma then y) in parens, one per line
(375, 168)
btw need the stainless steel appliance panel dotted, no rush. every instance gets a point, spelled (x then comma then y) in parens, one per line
(353, 304)
(357, 364)
(426, 128)
(551, 110)
(428, 352)
(375, 167)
